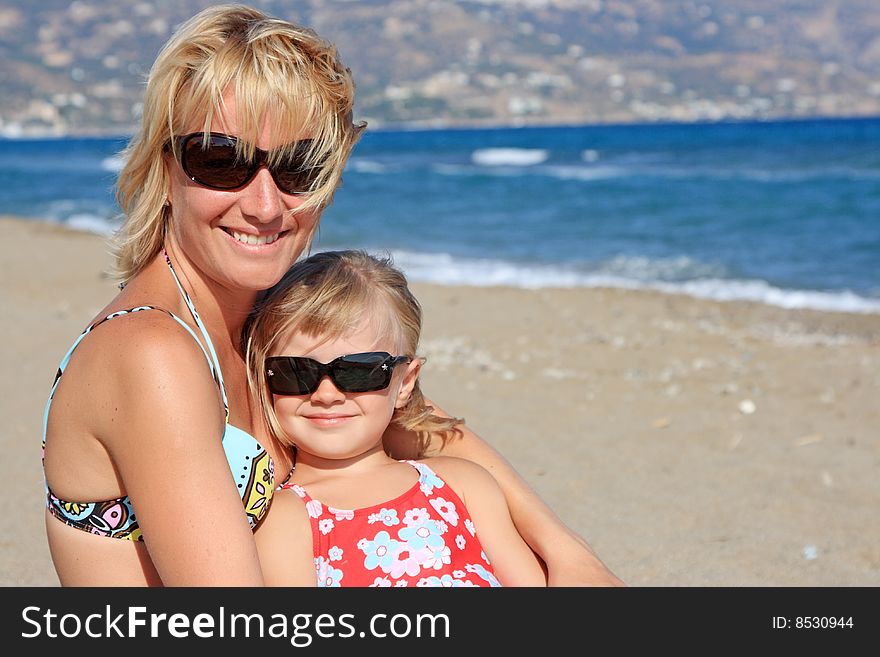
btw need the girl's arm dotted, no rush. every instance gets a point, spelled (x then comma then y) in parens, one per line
(284, 542)
(570, 561)
(512, 560)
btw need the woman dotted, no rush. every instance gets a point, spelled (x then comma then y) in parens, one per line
(247, 125)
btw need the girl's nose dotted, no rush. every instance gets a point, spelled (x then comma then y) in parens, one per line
(327, 392)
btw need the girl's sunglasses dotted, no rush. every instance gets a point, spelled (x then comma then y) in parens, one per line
(366, 372)
(214, 163)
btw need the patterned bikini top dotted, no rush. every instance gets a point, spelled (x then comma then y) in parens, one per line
(251, 466)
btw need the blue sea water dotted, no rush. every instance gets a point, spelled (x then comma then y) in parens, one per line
(786, 213)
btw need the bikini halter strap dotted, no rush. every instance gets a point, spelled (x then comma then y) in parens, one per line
(192, 309)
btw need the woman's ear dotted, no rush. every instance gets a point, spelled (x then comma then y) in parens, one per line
(409, 381)
(168, 164)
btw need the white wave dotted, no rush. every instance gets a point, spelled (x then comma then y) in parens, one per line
(589, 172)
(502, 165)
(114, 163)
(491, 172)
(559, 171)
(568, 172)
(763, 292)
(90, 223)
(367, 166)
(517, 157)
(444, 269)
(590, 155)
(734, 173)
(804, 175)
(679, 268)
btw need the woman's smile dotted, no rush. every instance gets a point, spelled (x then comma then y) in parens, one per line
(253, 239)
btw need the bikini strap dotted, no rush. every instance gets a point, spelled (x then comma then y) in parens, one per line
(89, 329)
(218, 375)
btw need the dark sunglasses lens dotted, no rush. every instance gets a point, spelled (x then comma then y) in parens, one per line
(293, 376)
(293, 175)
(293, 179)
(215, 164)
(362, 372)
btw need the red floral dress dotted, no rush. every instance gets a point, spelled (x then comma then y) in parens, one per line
(424, 537)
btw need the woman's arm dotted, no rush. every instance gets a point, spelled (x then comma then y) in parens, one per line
(163, 428)
(569, 559)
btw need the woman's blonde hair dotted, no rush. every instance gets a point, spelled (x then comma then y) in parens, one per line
(277, 71)
(331, 294)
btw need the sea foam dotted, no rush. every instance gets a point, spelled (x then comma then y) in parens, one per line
(639, 274)
(90, 223)
(517, 157)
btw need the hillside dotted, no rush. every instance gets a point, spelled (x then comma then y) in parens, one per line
(78, 67)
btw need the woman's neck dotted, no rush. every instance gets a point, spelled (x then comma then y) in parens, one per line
(222, 310)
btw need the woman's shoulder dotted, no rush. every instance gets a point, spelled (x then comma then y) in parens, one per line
(141, 331)
(140, 360)
(140, 386)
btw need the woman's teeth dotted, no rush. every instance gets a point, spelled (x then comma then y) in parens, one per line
(253, 239)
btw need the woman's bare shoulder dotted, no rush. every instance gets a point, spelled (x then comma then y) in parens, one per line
(142, 336)
(146, 367)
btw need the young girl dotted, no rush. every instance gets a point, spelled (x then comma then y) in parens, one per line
(331, 353)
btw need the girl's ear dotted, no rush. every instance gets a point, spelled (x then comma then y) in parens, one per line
(409, 382)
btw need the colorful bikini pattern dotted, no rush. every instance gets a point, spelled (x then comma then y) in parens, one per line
(251, 465)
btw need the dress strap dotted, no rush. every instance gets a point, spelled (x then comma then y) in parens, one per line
(218, 375)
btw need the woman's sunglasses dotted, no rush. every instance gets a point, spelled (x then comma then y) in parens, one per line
(366, 372)
(214, 163)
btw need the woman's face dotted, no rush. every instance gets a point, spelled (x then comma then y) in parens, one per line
(211, 228)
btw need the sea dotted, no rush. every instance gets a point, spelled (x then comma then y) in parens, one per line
(785, 213)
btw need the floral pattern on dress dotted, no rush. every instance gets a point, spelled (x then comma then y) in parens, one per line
(421, 538)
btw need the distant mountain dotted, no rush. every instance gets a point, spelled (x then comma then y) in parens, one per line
(78, 67)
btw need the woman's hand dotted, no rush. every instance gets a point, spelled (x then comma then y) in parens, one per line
(573, 563)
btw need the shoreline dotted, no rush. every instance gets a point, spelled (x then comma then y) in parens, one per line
(787, 299)
(691, 442)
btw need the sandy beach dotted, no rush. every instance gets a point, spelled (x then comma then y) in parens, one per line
(692, 443)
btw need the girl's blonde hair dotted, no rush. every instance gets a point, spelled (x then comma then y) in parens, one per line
(332, 294)
(277, 71)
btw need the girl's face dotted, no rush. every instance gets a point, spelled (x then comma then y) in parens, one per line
(333, 425)
(212, 228)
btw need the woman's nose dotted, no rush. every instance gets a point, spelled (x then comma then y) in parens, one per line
(261, 198)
